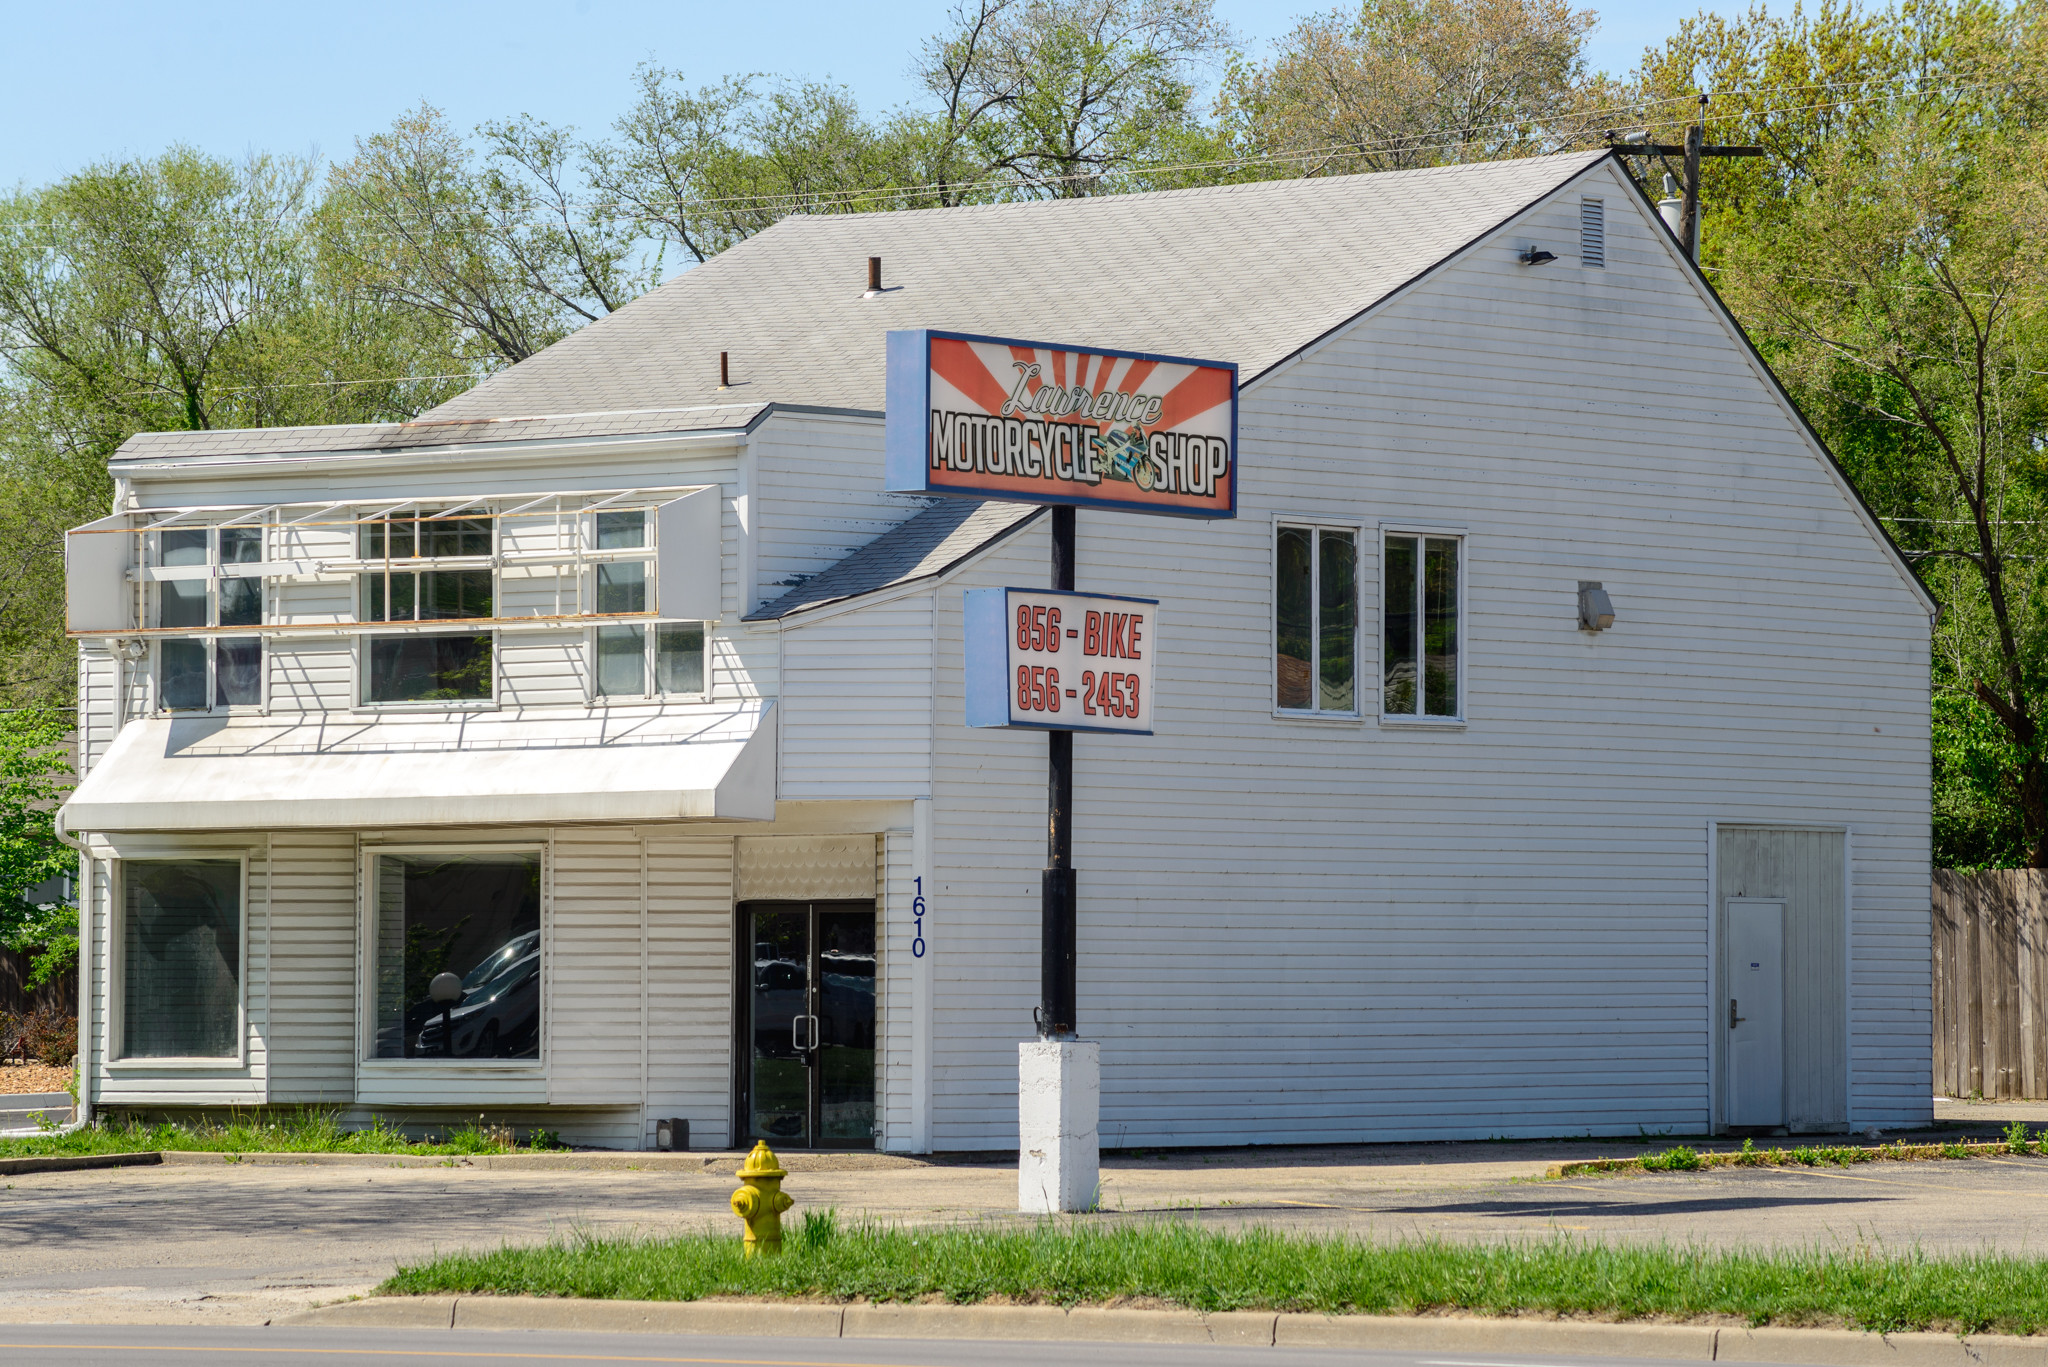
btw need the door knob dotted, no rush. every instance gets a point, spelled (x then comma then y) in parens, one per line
(1733, 1019)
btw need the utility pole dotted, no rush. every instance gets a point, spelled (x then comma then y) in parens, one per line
(1687, 173)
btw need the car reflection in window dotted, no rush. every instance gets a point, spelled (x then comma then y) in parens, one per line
(498, 1014)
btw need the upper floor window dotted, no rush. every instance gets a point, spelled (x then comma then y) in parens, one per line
(202, 586)
(402, 589)
(1315, 620)
(1422, 607)
(662, 659)
(619, 581)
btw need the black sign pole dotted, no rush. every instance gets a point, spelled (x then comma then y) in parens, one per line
(1059, 888)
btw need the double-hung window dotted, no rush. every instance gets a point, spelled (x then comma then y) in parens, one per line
(1421, 606)
(209, 578)
(1315, 620)
(638, 659)
(422, 566)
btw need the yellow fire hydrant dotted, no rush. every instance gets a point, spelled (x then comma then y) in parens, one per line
(760, 1200)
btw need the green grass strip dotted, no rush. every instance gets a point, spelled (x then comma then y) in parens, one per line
(1182, 1264)
(1681, 1158)
(309, 1131)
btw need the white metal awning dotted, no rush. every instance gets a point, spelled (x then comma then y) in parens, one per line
(703, 762)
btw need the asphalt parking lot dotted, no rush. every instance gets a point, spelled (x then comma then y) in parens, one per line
(245, 1242)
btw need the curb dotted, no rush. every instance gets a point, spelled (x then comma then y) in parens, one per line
(78, 1162)
(1239, 1328)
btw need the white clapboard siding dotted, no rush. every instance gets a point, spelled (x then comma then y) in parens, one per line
(594, 968)
(856, 693)
(820, 482)
(311, 675)
(1334, 930)
(689, 983)
(99, 702)
(543, 668)
(313, 967)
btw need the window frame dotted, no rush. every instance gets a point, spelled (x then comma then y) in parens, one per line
(1416, 720)
(1317, 524)
(212, 633)
(367, 1062)
(359, 673)
(649, 693)
(418, 565)
(117, 966)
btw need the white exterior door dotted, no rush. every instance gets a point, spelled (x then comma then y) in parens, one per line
(1753, 1011)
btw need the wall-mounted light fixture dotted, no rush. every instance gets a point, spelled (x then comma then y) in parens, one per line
(1536, 256)
(1596, 609)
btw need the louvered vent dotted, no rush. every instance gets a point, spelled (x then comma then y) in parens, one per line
(1592, 232)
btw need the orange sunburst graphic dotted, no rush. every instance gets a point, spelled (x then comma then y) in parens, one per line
(1069, 424)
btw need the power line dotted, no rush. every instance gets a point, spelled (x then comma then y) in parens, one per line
(1405, 143)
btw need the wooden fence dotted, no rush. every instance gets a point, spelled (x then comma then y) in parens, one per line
(15, 998)
(1991, 983)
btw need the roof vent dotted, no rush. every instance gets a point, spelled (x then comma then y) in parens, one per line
(874, 277)
(1592, 233)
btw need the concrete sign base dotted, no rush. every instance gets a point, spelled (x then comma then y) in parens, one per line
(1059, 1097)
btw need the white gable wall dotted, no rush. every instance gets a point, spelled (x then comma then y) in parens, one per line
(1322, 930)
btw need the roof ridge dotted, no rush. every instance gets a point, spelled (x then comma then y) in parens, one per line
(1448, 169)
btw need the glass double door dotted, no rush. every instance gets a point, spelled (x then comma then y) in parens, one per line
(807, 1078)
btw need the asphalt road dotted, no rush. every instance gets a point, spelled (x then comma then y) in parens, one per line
(247, 1243)
(124, 1346)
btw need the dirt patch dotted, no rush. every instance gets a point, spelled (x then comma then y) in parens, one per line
(16, 1078)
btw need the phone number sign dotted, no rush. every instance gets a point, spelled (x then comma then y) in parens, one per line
(1055, 661)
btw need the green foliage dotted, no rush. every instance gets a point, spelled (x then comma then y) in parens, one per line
(1396, 84)
(314, 1130)
(1678, 1158)
(1210, 1271)
(180, 291)
(35, 773)
(1890, 258)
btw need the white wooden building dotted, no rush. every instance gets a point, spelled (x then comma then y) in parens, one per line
(634, 702)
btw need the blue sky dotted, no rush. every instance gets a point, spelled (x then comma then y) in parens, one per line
(89, 81)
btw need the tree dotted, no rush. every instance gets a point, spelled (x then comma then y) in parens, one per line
(703, 169)
(1907, 289)
(177, 292)
(1405, 83)
(1884, 260)
(1060, 98)
(35, 773)
(504, 252)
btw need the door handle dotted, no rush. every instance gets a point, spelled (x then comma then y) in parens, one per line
(797, 1034)
(1733, 1019)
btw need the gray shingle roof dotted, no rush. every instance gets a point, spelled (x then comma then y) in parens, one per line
(1244, 273)
(371, 438)
(926, 544)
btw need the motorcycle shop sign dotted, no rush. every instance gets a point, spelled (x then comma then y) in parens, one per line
(1032, 422)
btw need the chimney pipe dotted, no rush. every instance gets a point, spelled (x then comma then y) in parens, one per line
(724, 373)
(874, 276)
